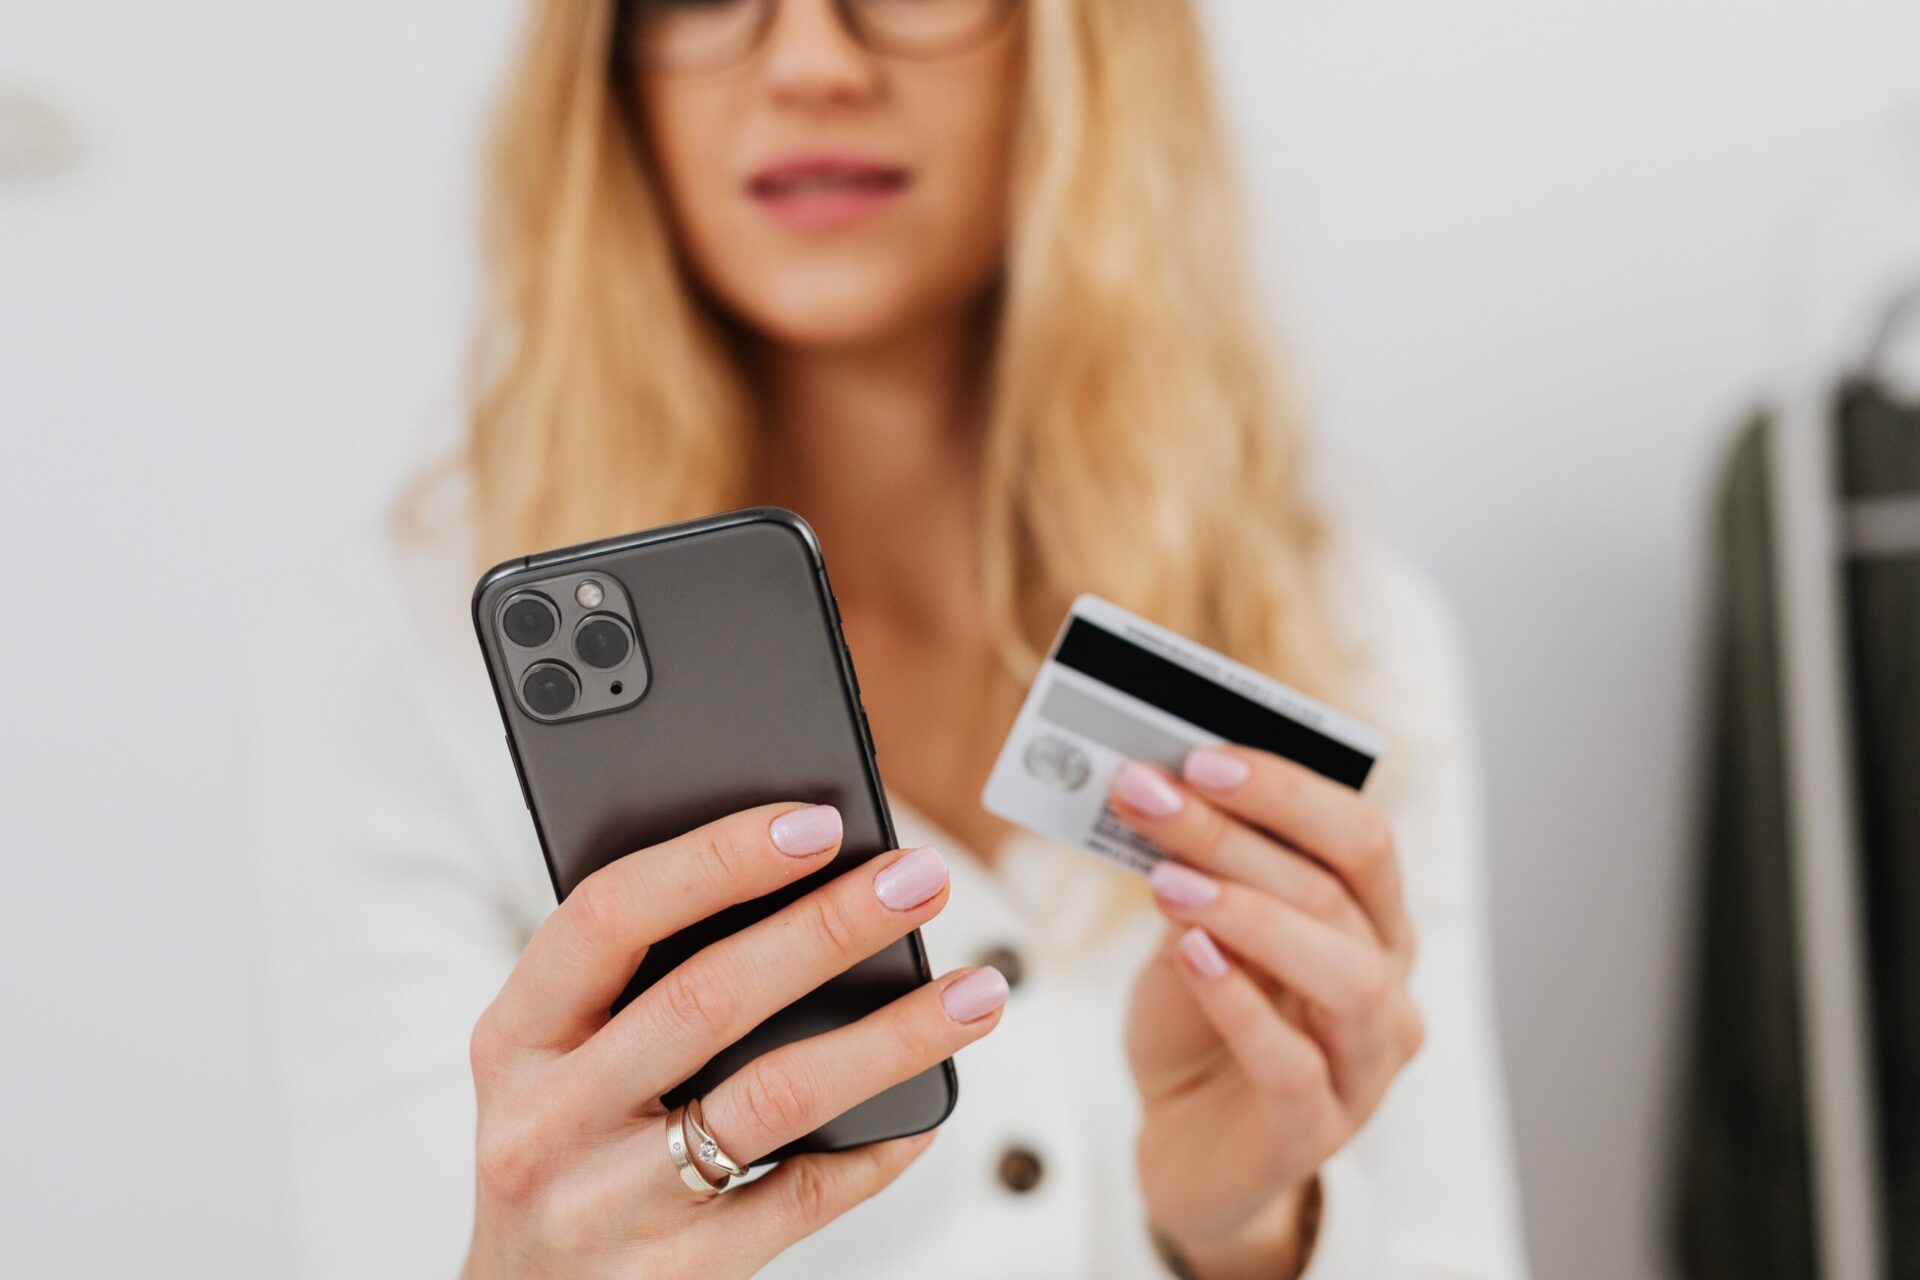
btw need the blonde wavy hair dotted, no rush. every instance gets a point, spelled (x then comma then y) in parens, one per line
(1137, 445)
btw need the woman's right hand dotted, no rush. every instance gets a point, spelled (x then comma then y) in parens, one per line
(574, 1175)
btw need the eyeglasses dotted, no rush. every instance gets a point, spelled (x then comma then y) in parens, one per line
(705, 35)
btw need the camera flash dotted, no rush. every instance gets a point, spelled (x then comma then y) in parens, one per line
(589, 594)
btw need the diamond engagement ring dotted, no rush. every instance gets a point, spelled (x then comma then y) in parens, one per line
(707, 1147)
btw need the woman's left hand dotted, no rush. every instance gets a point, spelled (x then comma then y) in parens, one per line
(1269, 1023)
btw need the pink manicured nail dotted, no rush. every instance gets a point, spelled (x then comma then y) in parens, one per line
(1215, 770)
(803, 831)
(974, 995)
(1147, 789)
(911, 880)
(1182, 885)
(1197, 946)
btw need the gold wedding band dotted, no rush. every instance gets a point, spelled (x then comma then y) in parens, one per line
(690, 1173)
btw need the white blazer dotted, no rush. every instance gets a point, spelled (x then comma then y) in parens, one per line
(401, 877)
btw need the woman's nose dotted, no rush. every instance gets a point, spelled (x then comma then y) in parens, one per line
(813, 61)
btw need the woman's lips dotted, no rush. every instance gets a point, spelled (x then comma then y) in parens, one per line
(824, 192)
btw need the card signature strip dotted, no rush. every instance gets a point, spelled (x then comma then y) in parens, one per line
(1113, 728)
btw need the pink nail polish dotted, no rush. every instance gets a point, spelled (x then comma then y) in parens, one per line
(1202, 956)
(1182, 886)
(911, 880)
(799, 832)
(1215, 770)
(974, 995)
(1147, 789)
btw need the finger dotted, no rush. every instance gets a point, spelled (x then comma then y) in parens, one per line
(1282, 1062)
(584, 954)
(732, 985)
(1365, 1023)
(1201, 835)
(1315, 814)
(1351, 981)
(804, 1194)
(789, 1092)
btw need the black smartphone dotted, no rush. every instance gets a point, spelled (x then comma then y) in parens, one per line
(654, 682)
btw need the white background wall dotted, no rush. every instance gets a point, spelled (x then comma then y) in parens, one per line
(1526, 253)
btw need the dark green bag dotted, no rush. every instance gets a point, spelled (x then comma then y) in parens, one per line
(1744, 1194)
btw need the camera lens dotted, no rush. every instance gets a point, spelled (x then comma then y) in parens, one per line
(603, 641)
(549, 689)
(529, 621)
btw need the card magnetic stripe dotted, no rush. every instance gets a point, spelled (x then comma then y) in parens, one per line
(1120, 664)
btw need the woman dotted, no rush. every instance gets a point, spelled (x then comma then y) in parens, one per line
(960, 281)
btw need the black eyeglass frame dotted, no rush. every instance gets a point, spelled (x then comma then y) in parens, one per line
(629, 54)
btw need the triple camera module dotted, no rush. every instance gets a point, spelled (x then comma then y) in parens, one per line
(571, 647)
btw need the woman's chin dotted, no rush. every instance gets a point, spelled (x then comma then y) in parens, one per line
(835, 319)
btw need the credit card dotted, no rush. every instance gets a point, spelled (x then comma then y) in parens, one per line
(1116, 687)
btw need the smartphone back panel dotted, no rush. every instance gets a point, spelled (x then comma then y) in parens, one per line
(749, 698)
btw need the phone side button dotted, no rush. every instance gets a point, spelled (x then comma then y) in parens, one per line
(519, 774)
(866, 727)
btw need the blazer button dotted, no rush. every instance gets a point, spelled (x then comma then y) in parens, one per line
(1020, 1169)
(1007, 961)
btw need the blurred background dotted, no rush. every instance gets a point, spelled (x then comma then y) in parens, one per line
(1533, 263)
